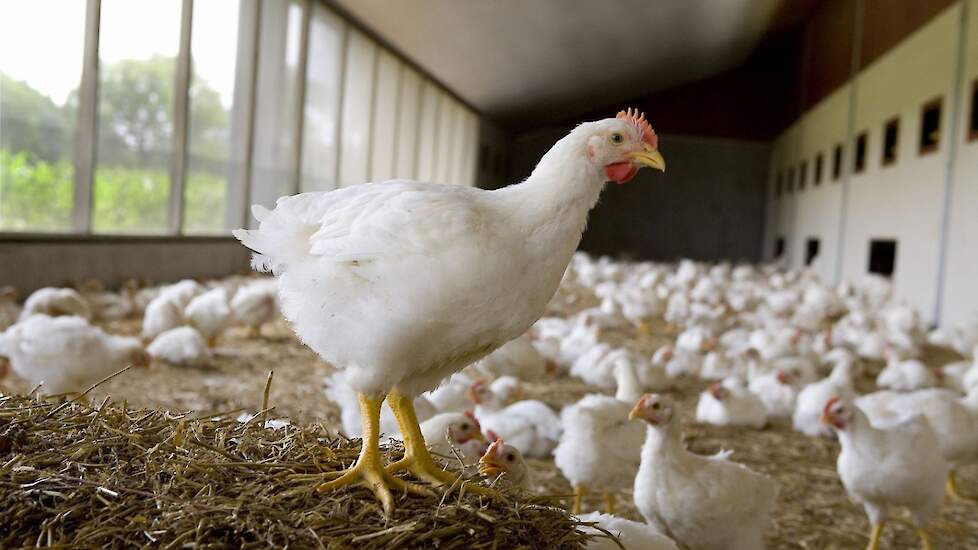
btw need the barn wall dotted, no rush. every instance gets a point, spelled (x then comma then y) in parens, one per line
(904, 200)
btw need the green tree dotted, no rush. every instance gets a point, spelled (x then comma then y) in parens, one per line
(30, 121)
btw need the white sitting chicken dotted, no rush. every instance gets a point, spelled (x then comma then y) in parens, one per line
(181, 346)
(900, 465)
(162, 314)
(811, 400)
(778, 392)
(182, 292)
(954, 419)
(338, 390)
(530, 425)
(255, 304)
(506, 461)
(459, 430)
(55, 302)
(453, 394)
(66, 354)
(632, 535)
(704, 503)
(905, 375)
(518, 358)
(730, 403)
(209, 313)
(599, 448)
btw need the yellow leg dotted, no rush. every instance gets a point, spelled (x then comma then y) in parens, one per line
(579, 492)
(874, 537)
(952, 488)
(417, 459)
(368, 471)
(924, 539)
(609, 502)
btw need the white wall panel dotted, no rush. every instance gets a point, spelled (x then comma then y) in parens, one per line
(358, 82)
(323, 81)
(428, 131)
(409, 103)
(383, 134)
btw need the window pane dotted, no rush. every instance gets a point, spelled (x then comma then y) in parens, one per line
(138, 43)
(384, 118)
(319, 151)
(38, 95)
(276, 103)
(428, 132)
(355, 128)
(446, 139)
(406, 156)
(214, 53)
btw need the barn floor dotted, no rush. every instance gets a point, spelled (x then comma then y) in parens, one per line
(813, 511)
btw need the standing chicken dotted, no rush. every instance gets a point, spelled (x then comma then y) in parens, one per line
(900, 465)
(403, 283)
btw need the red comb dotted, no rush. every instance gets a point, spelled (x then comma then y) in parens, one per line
(493, 436)
(828, 404)
(495, 447)
(636, 118)
(472, 417)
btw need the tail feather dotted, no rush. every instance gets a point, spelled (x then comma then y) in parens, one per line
(281, 238)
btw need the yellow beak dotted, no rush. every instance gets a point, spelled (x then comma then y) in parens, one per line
(649, 157)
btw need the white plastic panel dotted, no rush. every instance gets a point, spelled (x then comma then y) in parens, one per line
(361, 54)
(323, 85)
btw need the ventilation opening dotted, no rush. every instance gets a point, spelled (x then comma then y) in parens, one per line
(930, 127)
(882, 257)
(818, 169)
(802, 175)
(973, 123)
(891, 134)
(779, 247)
(811, 251)
(791, 181)
(837, 162)
(859, 163)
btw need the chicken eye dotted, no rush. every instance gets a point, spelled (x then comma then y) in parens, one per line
(655, 405)
(465, 426)
(509, 458)
(617, 138)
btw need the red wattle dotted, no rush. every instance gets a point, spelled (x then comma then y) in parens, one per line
(620, 172)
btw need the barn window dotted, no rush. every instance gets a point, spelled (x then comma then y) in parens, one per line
(811, 250)
(930, 126)
(779, 247)
(859, 160)
(802, 175)
(891, 136)
(973, 121)
(819, 158)
(882, 256)
(837, 163)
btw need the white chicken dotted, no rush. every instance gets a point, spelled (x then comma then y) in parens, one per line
(730, 403)
(702, 502)
(599, 448)
(180, 346)
(900, 465)
(530, 425)
(517, 358)
(632, 535)
(447, 430)
(505, 461)
(954, 419)
(338, 390)
(66, 354)
(56, 302)
(402, 283)
(162, 314)
(255, 304)
(906, 374)
(811, 400)
(209, 313)
(778, 392)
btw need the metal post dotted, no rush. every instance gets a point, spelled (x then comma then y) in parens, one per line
(181, 112)
(86, 134)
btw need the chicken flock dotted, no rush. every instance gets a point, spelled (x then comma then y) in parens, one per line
(444, 301)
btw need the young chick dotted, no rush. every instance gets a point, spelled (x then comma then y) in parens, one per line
(209, 313)
(446, 430)
(881, 467)
(255, 304)
(181, 346)
(505, 460)
(66, 353)
(729, 403)
(599, 448)
(702, 502)
(55, 302)
(632, 535)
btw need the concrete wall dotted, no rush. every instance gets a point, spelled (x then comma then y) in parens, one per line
(36, 262)
(709, 204)
(904, 200)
